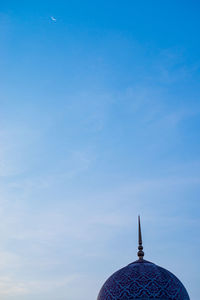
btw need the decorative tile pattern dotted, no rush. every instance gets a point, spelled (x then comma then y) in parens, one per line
(143, 280)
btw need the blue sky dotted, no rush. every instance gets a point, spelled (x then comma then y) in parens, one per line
(99, 121)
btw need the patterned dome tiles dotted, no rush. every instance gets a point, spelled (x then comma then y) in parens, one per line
(143, 280)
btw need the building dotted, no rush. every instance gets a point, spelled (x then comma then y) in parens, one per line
(142, 280)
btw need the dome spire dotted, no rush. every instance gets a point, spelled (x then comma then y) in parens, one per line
(140, 247)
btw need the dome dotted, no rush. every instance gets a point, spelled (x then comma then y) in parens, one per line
(143, 280)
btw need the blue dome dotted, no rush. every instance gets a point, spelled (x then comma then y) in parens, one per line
(143, 280)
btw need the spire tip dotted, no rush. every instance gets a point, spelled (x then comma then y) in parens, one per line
(140, 247)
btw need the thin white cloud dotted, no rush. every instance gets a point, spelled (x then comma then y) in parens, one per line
(11, 286)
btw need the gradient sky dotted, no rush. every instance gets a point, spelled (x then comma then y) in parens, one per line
(99, 121)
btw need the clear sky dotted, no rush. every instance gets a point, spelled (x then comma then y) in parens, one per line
(99, 121)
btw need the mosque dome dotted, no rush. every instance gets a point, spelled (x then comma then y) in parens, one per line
(142, 280)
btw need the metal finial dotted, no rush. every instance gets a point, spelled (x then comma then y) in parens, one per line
(140, 247)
